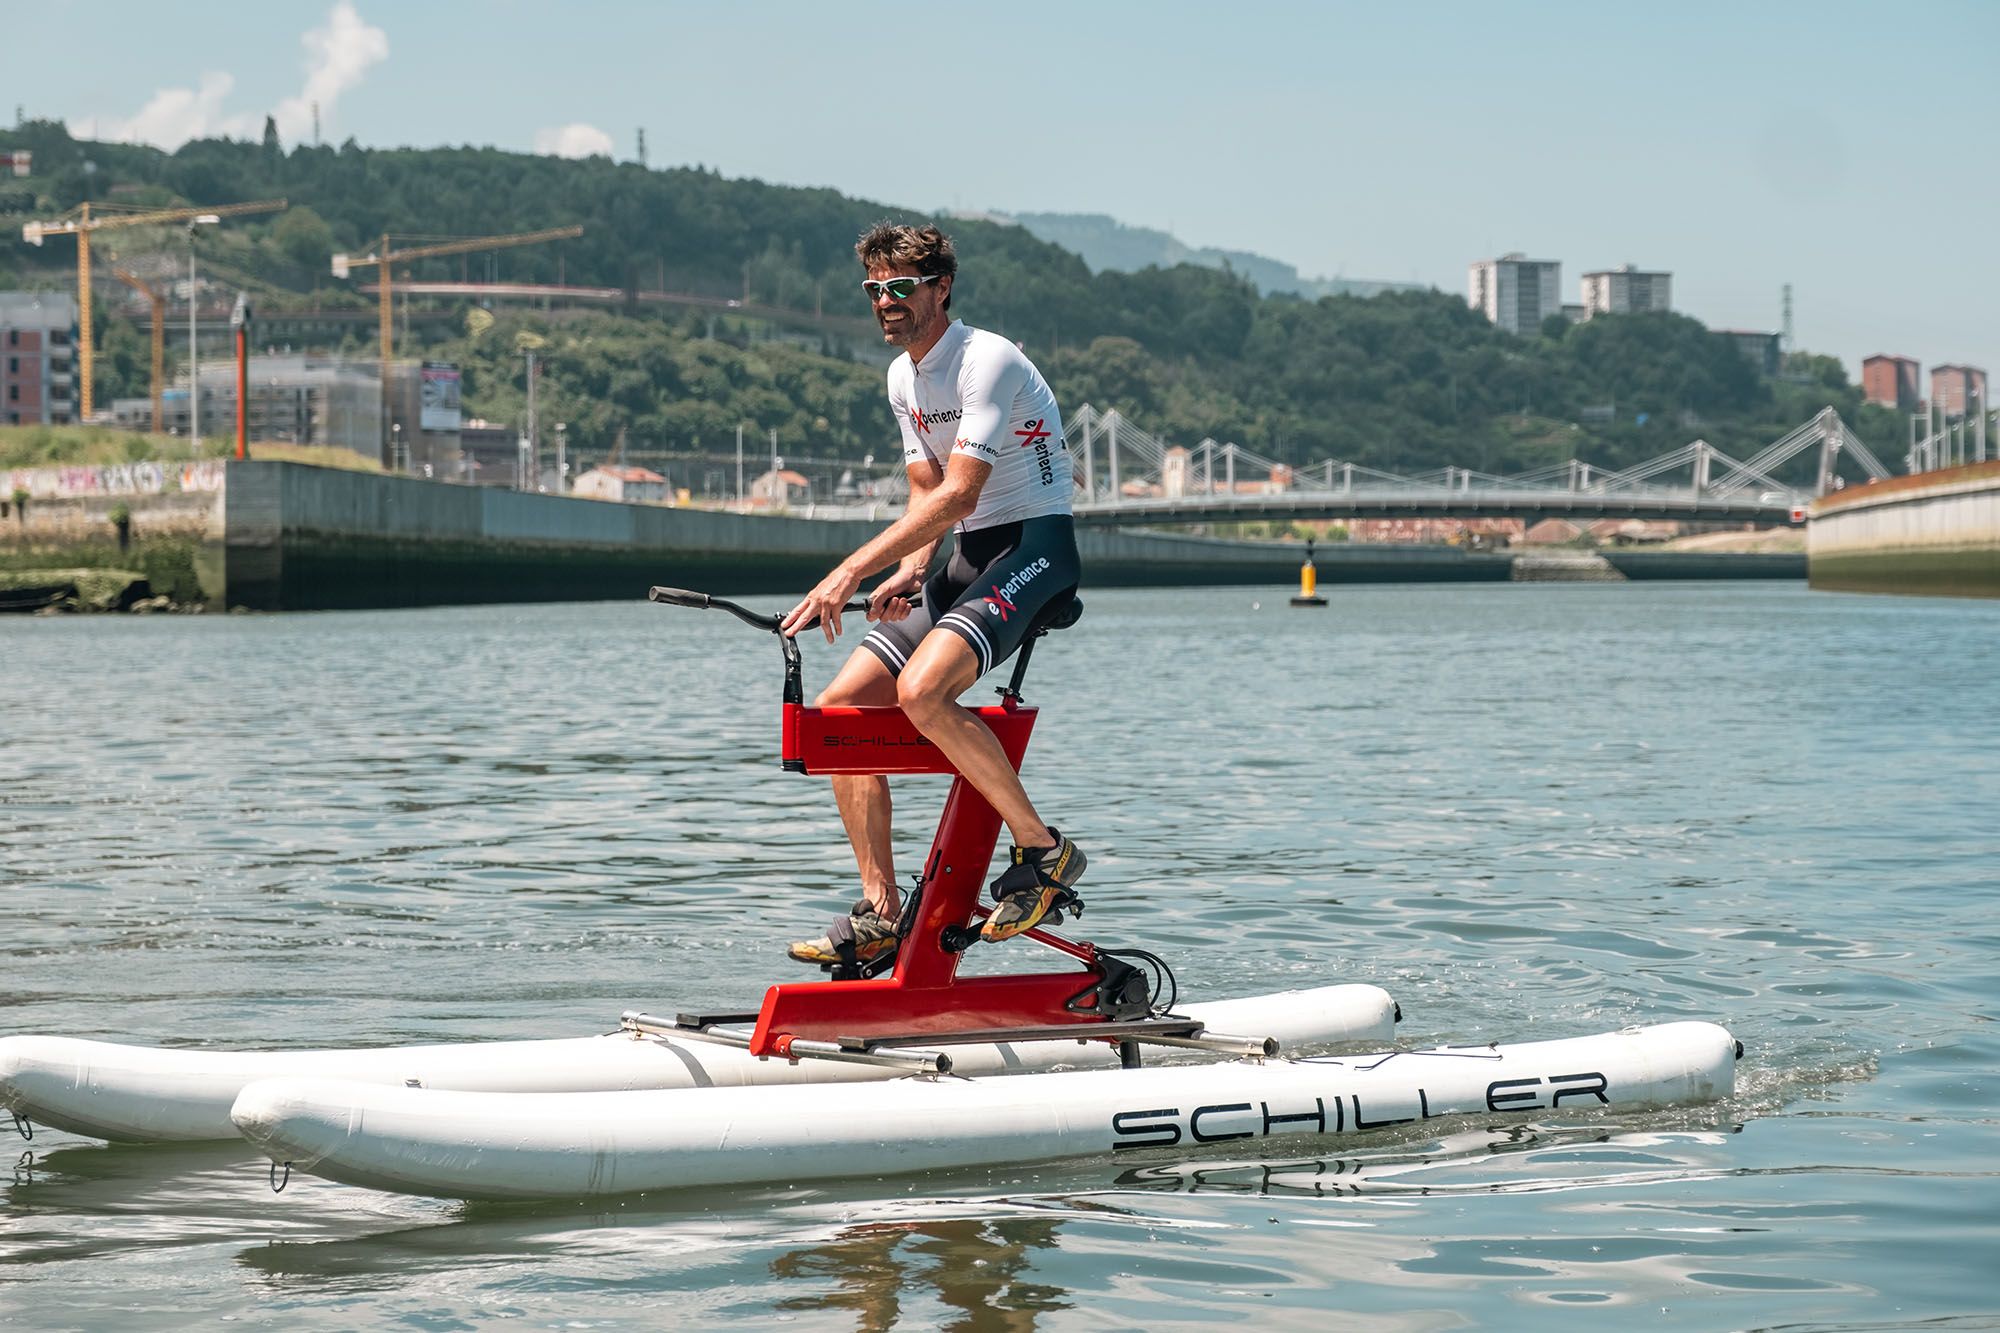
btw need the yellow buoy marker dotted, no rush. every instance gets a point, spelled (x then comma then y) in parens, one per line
(1308, 581)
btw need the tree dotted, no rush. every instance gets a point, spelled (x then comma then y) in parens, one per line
(304, 237)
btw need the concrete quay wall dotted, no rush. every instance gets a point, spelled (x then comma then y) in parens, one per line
(283, 536)
(1931, 534)
(301, 538)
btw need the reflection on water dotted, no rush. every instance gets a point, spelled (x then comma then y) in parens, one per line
(978, 1270)
(1531, 811)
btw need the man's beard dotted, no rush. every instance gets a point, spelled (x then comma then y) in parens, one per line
(905, 331)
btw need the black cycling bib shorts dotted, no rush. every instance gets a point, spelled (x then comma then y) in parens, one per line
(989, 593)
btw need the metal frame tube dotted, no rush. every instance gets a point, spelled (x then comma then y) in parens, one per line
(913, 1061)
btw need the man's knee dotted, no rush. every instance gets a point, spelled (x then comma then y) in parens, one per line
(920, 694)
(929, 686)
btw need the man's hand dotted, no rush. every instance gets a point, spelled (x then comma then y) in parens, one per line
(890, 600)
(823, 603)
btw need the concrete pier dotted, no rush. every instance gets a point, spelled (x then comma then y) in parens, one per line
(1932, 533)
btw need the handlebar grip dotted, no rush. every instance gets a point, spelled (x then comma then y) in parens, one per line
(679, 597)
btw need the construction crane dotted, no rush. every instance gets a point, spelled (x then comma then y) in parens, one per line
(158, 300)
(82, 225)
(386, 258)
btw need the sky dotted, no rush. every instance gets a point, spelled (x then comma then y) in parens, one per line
(1837, 146)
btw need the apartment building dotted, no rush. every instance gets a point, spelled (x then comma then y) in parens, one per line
(1892, 381)
(1626, 290)
(1959, 390)
(37, 359)
(1515, 292)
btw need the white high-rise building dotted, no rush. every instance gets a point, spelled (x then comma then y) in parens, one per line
(1515, 292)
(1625, 290)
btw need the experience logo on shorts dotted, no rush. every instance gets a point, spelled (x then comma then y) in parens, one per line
(1001, 602)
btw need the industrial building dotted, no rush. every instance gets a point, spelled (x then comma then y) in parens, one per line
(326, 401)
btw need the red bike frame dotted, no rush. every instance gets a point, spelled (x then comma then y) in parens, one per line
(925, 993)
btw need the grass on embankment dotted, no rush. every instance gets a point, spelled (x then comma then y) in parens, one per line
(70, 446)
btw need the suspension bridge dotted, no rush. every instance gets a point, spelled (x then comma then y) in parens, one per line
(1127, 476)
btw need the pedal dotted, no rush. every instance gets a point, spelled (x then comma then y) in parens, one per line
(1066, 901)
(848, 964)
(850, 968)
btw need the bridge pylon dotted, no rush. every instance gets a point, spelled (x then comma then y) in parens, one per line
(1832, 434)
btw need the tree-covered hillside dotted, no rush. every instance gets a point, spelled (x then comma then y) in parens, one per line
(1404, 381)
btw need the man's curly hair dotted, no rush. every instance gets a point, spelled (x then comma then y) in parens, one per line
(926, 249)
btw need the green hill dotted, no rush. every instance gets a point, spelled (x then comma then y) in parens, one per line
(1402, 381)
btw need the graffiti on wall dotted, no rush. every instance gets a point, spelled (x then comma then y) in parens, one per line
(146, 478)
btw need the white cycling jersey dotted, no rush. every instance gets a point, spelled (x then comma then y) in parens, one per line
(976, 393)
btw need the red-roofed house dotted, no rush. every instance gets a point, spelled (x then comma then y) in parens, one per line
(780, 488)
(631, 485)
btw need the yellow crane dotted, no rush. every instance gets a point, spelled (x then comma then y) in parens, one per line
(385, 258)
(158, 300)
(82, 225)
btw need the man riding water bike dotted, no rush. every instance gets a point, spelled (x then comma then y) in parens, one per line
(983, 446)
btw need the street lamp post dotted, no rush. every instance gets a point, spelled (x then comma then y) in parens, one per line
(194, 356)
(562, 458)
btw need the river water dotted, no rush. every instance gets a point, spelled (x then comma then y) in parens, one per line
(1527, 811)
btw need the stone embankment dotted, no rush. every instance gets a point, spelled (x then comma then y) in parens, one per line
(1564, 566)
(154, 542)
(54, 591)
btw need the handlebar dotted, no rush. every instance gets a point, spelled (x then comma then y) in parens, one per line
(702, 601)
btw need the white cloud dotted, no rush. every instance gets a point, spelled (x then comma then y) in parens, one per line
(338, 55)
(174, 115)
(573, 141)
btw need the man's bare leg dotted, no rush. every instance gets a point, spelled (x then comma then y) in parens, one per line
(942, 668)
(864, 799)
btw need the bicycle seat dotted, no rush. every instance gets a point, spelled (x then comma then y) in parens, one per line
(1058, 615)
